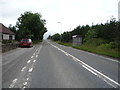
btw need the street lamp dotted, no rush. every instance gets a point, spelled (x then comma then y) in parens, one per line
(60, 30)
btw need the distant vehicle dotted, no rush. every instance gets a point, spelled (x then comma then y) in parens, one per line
(26, 43)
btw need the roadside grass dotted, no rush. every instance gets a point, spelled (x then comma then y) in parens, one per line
(107, 52)
(95, 49)
(65, 44)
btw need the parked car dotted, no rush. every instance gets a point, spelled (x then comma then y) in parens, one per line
(26, 43)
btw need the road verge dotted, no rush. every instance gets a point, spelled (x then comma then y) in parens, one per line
(101, 51)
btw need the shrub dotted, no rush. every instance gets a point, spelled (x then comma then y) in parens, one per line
(113, 45)
(105, 46)
(95, 42)
(8, 41)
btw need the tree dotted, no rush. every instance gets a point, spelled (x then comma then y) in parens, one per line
(31, 25)
(56, 37)
(66, 37)
(49, 37)
(92, 33)
(12, 28)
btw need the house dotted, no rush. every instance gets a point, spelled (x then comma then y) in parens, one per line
(5, 33)
(77, 40)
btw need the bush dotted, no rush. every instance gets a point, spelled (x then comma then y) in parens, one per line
(111, 45)
(95, 42)
(105, 46)
(8, 41)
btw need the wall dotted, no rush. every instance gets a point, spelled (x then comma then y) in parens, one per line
(9, 46)
(0, 36)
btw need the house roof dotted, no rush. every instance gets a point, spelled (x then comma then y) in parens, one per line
(76, 36)
(5, 30)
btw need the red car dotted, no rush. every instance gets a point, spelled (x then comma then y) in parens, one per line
(26, 42)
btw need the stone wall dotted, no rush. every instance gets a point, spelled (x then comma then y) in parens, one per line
(9, 46)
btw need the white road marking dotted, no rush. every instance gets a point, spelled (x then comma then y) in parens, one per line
(28, 61)
(36, 55)
(31, 56)
(27, 79)
(23, 69)
(13, 83)
(89, 69)
(74, 59)
(92, 70)
(30, 70)
(34, 60)
(67, 54)
(58, 49)
(38, 50)
(25, 83)
(24, 87)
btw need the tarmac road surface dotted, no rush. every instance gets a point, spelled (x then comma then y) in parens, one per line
(50, 65)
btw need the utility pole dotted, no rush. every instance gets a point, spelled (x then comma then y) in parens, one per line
(60, 30)
(119, 11)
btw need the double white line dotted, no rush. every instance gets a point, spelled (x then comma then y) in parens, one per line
(108, 80)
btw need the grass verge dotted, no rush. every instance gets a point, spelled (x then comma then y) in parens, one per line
(95, 49)
(65, 44)
(107, 52)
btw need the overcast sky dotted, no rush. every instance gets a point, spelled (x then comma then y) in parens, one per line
(70, 13)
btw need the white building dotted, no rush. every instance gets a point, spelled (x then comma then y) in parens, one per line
(77, 40)
(119, 10)
(5, 33)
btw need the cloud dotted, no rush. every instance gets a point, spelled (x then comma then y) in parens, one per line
(70, 13)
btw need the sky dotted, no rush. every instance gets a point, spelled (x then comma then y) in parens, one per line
(69, 13)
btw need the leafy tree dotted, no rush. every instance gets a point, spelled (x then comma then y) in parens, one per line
(101, 33)
(31, 25)
(66, 37)
(12, 28)
(56, 37)
(92, 33)
(49, 37)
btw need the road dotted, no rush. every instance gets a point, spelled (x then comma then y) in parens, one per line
(50, 65)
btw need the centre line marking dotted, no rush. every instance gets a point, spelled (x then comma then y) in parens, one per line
(24, 87)
(23, 69)
(30, 70)
(27, 79)
(34, 60)
(25, 83)
(13, 83)
(28, 61)
(36, 55)
(31, 56)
